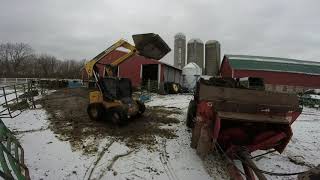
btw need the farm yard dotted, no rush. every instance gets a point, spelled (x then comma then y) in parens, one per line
(116, 90)
(61, 142)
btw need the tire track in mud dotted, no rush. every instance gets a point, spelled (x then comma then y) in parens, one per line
(140, 167)
(166, 163)
(110, 165)
(100, 155)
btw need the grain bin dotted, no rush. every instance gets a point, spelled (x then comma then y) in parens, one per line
(212, 57)
(179, 50)
(190, 75)
(195, 52)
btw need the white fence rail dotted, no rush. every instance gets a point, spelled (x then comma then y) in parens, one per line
(7, 81)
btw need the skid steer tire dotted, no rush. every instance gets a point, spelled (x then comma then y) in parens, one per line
(118, 116)
(95, 111)
(141, 106)
(191, 114)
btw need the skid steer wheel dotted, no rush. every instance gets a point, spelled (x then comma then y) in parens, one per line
(95, 111)
(141, 107)
(118, 116)
(191, 114)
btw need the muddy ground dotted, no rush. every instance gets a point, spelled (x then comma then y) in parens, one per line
(70, 122)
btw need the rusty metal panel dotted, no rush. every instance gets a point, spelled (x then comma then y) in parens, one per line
(246, 96)
(231, 106)
(247, 117)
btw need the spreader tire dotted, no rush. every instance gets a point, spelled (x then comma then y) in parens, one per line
(191, 114)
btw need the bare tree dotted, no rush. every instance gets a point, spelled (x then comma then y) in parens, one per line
(47, 64)
(18, 60)
(19, 54)
(13, 56)
(4, 58)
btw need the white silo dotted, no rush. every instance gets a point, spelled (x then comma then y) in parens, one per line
(190, 75)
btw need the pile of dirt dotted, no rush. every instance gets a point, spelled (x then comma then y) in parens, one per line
(70, 122)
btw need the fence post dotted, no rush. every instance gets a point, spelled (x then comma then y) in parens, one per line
(15, 92)
(31, 94)
(6, 101)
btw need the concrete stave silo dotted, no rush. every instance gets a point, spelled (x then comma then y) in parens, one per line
(179, 50)
(195, 52)
(212, 57)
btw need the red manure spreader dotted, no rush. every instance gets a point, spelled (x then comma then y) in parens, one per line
(237, 117)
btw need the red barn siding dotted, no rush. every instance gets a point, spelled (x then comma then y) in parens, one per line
(130, 68)
(282, 78)
(272, 77)
(225, 69)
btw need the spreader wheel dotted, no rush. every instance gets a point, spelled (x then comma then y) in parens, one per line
(191, 114)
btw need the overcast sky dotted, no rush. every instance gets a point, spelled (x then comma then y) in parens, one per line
(74, 29)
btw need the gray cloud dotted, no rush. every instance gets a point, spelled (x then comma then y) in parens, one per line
(81, 29)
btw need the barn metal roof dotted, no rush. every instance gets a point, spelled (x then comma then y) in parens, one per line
(246, 62)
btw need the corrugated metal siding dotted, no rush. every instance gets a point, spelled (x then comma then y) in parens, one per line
(177, 76)
(282, 78)
(170, 74)
(165, 73)
(273, 64)
(298, 81)
(225, 69)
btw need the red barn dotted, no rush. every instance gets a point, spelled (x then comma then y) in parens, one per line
(279, 74)
(140, 69)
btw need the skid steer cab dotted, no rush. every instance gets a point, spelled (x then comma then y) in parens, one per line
(113, 100)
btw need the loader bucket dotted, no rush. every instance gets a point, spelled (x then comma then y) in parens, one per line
(151, 45)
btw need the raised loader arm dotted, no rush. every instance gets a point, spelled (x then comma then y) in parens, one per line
(89, 66)
(149, 45)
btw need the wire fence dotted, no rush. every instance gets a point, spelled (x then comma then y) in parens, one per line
(16, 98)
(11, 81)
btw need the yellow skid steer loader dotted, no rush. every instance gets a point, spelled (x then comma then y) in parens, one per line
(113, 100)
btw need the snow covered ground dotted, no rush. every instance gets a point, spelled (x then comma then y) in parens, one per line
(303, 151)
(49, 158)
